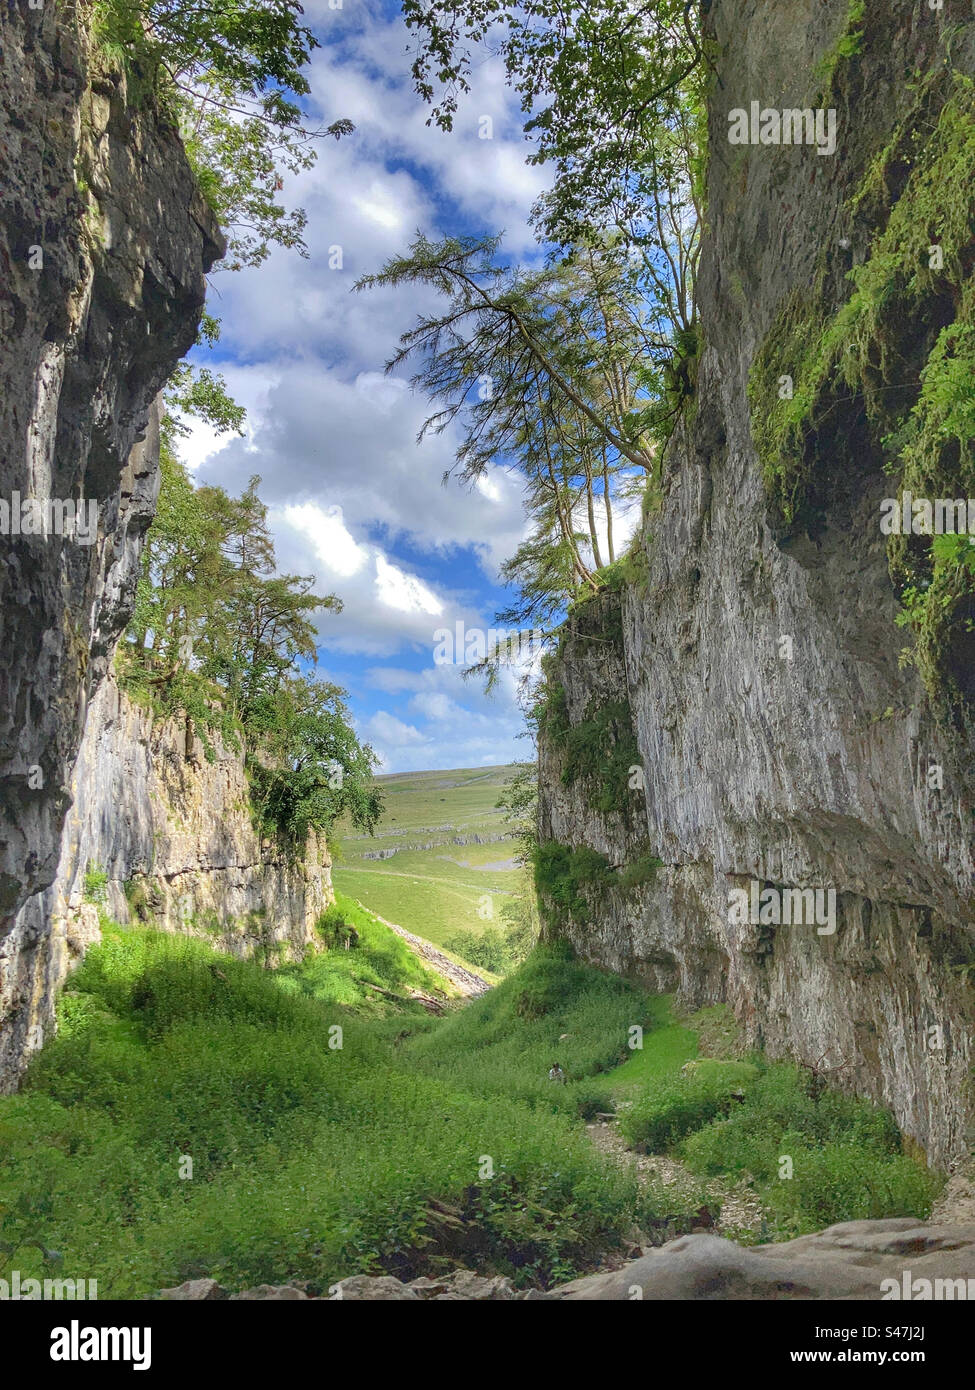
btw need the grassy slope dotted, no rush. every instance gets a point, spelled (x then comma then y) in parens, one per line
(433, 892)
(313, 1162)
(308, 1161)
(813, 1159)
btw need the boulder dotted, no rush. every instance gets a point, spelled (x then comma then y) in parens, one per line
(851, 1260)
(194, 1290)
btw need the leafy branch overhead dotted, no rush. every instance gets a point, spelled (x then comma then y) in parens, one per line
(605, 90)
(574, 374)
(232, 73)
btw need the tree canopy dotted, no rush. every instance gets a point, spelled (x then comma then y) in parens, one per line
(575, 373)
(219, 635)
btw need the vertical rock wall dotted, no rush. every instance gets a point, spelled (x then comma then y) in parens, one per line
(809, 770)
(104, 244)
(157, 835)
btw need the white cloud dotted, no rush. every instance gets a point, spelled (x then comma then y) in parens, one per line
(397, 589)
(352, 445)
(354, 500)
(387, 728)
(434, 705)
(324, 527)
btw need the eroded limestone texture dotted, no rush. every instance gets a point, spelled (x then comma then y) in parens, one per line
(104, 244)
(809, 771)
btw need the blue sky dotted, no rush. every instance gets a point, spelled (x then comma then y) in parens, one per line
(354, 500)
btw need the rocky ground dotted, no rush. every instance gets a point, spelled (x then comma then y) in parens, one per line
(739, 1211)
(856, 1260)
(957, 1201)
(467, 983)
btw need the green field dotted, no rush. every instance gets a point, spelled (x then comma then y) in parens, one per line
(431, 885)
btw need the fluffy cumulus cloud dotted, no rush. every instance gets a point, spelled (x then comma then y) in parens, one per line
(445, 722)
(354, 499)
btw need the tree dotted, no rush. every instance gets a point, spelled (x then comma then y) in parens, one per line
(218, 635)
(611, 94)
(231, 74)
(519, 803)
(542, 369)
(577, 373)
(308, 767)
(613, 97)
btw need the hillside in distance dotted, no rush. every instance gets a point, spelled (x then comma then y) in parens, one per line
(442, 859)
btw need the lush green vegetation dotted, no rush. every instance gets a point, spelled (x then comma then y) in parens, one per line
(220, 636)
(232, 74)
(903, 343)
(551, 1009)
(564, 876)
(844, 1154)
(309, 1161)
(813, 1155)
(675, 1106)
(497, 948)
(414, 1145)
(359, 952)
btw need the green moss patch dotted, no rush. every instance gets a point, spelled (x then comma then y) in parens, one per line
(890, 373)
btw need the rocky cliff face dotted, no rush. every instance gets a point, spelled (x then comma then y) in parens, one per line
(172, 833)
(156, 834)
(804, 762)
(104, 245)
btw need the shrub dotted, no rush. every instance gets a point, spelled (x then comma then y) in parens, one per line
(846, 1182)
(674, 1106)
(844, 1151)
(496, 949)
(95, 885)
(560, 875)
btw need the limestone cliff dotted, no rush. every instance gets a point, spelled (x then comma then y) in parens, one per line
(159, 834)
(105, 241)
(799, 763)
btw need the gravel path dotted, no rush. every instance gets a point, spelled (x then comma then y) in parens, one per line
(741, 1210)
(469, 984)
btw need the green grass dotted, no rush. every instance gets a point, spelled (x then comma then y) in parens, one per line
(309, 1162)
(844, 1158)
(440, 891)
(666, 1047)
(674, 1106)
(342, 976)
(729, 1118)
(416, 1145)
(505, 1042)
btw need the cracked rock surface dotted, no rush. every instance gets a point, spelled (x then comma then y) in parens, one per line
(104, 244)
